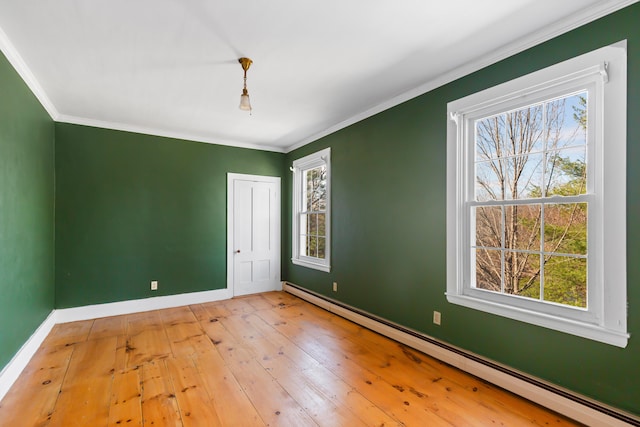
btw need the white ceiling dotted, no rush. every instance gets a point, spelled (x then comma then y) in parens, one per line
(170, 67)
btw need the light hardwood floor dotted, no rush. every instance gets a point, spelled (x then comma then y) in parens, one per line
(267, 359)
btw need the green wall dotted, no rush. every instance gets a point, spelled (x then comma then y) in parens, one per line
(132, 208)
(26, 212)
(389, 219)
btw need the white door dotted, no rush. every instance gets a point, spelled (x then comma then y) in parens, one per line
(253, 234)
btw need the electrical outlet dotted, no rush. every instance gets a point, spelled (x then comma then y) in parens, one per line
(335, 286)
(154, 285)
(437, 317)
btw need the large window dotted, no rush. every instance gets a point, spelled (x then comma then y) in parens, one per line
(311, 210)
(536, 198)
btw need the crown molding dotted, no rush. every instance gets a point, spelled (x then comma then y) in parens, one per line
(16, 61)
(558, 28)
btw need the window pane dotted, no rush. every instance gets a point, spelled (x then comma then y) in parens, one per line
(490, 184)
(321, 247)
(313, 225)
(312, 249)
(509, 178)
(321, 192)
(567, 122)
(566, 172)
(315, 185)
(488, 226)
(490, 137)
(523, 176)
(524, 131)
(321, 225)
(488, 270)
(522, 274)
(522, 227)
(565, 281)
(565, 228)
(321, 189)
(308, 186)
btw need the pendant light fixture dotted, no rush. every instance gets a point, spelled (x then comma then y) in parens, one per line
(245, 104)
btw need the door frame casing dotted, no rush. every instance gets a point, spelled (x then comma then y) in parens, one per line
(231, 178)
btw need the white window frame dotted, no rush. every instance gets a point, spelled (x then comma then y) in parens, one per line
(605, 72)
(320, 158)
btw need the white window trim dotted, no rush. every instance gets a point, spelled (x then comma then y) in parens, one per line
(606, 319)
(322, 157)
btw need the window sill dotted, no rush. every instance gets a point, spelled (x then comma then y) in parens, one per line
(308, 264)
(573, 327)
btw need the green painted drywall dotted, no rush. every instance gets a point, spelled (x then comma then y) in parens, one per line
(132, 208)
(389, 219)
(26, 212)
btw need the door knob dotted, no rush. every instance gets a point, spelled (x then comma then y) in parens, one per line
(238, 251)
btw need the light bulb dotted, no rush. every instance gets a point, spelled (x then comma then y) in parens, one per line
(245, 104)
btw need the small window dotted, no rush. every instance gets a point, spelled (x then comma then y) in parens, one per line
(311, 211)
(535, 232)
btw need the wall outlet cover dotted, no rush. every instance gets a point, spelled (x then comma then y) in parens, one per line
(437, 317)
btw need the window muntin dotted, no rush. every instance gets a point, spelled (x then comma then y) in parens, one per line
(311, 211)
(566, 267)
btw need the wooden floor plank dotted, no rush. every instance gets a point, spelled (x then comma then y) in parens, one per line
(122, 354)
(108, 327)
(323, 410)
(139, 322)
(183, 331)
(266, 359)
(85, 395)
(238, 306)
(259, 302)
(215, 310)
(273, 403)
(126, 400)
(65, 334)
(159, 404)
(225, 343)
(200, 312)
(41, 382)
(281, 299)
(340, 392)
(147, 345)
(193, 399)
(232, 404)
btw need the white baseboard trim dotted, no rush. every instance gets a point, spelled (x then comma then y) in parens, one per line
(14, 368)
(557, 399)
(16, 365)
(97, 311)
